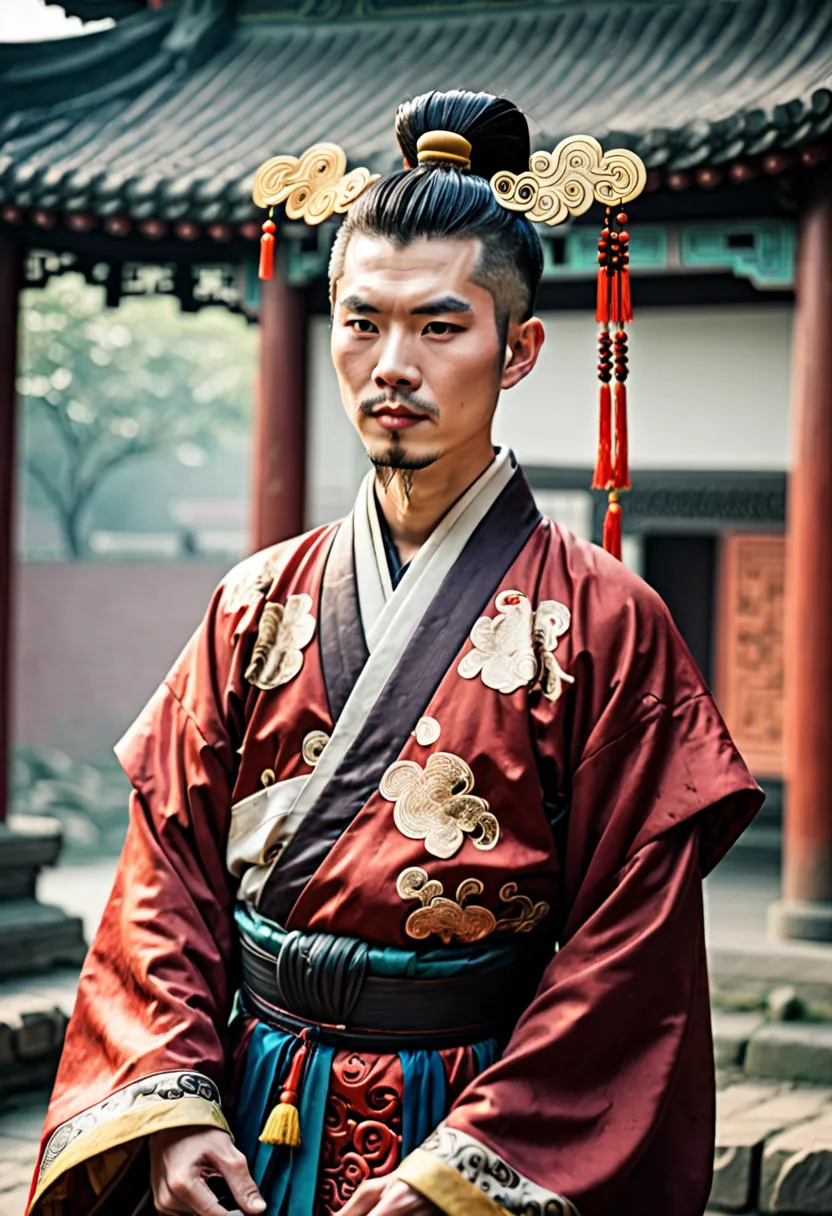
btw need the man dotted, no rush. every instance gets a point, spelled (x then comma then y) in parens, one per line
(438, 784)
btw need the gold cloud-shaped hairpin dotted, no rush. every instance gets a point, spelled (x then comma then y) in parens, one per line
(313, 186)
(556, 185)
(567, 181)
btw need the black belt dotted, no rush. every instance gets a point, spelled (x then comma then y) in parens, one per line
(319, 980)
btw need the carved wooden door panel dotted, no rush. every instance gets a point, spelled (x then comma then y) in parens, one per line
(750, 656)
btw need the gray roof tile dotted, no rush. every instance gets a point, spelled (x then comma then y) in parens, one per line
(116, 119)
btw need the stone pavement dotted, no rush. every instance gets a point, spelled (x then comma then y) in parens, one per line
(21, 1119)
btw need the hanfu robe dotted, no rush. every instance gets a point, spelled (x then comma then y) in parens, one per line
(512, 748)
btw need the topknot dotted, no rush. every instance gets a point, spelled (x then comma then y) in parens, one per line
(496, 129)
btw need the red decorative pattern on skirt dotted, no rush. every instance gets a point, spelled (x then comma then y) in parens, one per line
(363, 1122)
(362, 1126)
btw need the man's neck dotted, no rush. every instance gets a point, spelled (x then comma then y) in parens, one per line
(433, 492)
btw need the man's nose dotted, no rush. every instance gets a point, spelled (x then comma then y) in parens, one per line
(395, 369)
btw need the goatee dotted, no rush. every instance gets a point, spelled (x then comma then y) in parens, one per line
(395, 470)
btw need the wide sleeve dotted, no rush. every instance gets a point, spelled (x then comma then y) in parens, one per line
(145, 1047)
(603, 1098)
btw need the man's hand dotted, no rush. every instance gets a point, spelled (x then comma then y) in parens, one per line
(381, 1197)
(181, 1161)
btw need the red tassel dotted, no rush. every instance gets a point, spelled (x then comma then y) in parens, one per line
(612, 527)
(291, 1086)
(621, 467)
(602, 302)
(603, 462)
(626, 306)
(266, 270)
(283, 1123)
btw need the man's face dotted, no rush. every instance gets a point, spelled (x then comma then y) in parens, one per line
(416, 348)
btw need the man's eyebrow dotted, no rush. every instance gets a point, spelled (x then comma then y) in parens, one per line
(356, 304)
(437, 307)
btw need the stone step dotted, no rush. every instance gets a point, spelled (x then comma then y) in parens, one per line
(33, 1018)
(791, 1051)
(36, 937)
(773, 1149)
(745, 974)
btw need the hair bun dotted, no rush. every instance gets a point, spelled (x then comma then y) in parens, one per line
(494, 127)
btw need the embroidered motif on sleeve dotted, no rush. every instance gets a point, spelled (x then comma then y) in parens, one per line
(167, 1086)
(494, 1176)
(435, 804)
(516, 649)
(283, 633)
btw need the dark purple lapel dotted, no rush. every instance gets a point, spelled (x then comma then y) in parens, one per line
(343, 648)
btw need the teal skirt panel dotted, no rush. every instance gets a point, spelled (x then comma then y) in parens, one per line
(288, 1178)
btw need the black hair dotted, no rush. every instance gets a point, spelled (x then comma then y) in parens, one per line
(439, 199)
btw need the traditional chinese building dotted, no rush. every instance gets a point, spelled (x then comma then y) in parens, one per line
(129, 155)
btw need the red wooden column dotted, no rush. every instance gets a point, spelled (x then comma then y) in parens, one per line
(279, 464)
(806, 908)
(10, 279)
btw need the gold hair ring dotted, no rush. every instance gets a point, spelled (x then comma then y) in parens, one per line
(444, 145)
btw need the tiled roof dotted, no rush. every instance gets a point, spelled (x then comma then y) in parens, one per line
(169, 113)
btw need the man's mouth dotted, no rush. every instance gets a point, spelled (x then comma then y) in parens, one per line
(394, 416)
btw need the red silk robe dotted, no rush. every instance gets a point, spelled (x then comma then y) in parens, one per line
(575, 693)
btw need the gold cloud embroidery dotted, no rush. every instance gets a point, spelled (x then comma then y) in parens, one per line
(447, 918)
(516, 649)
(313, 746)
(435, 804)
(529, 914)
(249, 580)
(283, 633)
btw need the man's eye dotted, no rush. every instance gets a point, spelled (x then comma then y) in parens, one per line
(441, 329)
(362, 325)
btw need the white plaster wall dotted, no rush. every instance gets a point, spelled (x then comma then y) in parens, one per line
(336, 460)
(709, 389)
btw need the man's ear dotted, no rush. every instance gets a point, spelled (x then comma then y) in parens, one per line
(525, 339)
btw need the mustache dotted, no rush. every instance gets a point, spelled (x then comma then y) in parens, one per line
(411, 400)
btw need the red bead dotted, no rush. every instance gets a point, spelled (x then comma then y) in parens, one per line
(118, 225)
(602, 257)
(815, 155)
(269, 226)
(622, 217)
(624, 237)
(605, 232)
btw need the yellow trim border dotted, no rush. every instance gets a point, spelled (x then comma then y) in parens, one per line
(146, 1117)
(445, 1186)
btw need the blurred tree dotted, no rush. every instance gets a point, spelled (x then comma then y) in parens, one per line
(112, 385)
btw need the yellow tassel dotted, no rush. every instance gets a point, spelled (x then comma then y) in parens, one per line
(282, 1126)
